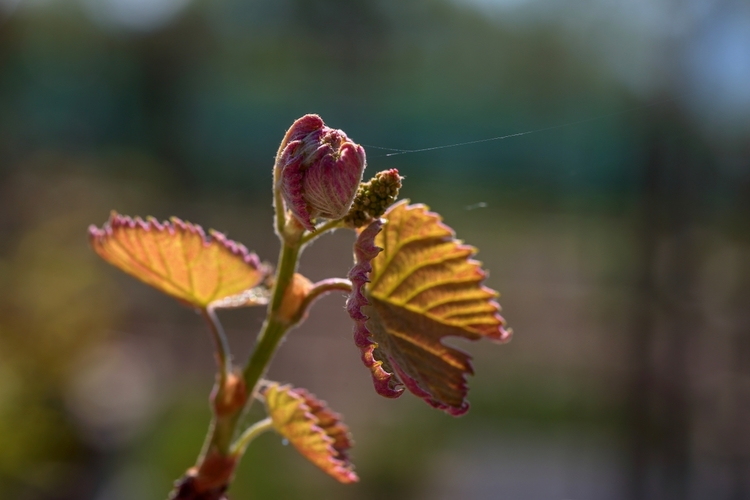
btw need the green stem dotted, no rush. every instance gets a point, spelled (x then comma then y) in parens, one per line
(255, 430)
(224, 427)
(274, 327)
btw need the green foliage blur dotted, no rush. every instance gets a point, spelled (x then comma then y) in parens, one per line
(619, 240)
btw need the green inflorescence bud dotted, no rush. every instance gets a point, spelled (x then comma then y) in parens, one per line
(374, 197)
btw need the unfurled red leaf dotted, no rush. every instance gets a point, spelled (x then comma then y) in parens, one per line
(178, 259)
(414, 285)
(316, 432)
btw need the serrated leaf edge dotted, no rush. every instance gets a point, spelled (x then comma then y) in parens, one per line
(364, 251)
(98, 237)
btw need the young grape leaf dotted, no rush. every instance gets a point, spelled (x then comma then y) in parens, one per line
(316, 432)
(413, 285)
(176, 258)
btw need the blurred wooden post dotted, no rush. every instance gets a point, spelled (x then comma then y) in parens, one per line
(740, 445)
(665, 323)
(641, 342)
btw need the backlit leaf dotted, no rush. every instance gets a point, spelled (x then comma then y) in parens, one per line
(316, 432)
(178, 259)
(414, 284)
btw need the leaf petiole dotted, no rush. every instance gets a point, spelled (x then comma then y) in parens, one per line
(238, 447)
(223, 354)
(318, 290)
(323, 228)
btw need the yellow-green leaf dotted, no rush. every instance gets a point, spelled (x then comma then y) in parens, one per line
(413, 285)
(177, 258)
(316, 432)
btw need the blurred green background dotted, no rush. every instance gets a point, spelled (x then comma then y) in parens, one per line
(621, 245)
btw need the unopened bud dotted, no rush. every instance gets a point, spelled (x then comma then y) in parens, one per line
(374, 197)
(318, 170)
(229, 398)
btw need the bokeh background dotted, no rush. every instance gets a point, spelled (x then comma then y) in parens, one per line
(620, 242)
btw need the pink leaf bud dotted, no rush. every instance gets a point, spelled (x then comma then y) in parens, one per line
(318, 170)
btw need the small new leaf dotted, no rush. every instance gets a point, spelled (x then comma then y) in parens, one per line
(414, 285)
(316, 432)
(178, 259)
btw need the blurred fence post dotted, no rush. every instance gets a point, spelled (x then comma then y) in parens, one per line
(665, 323)
(740, 447)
